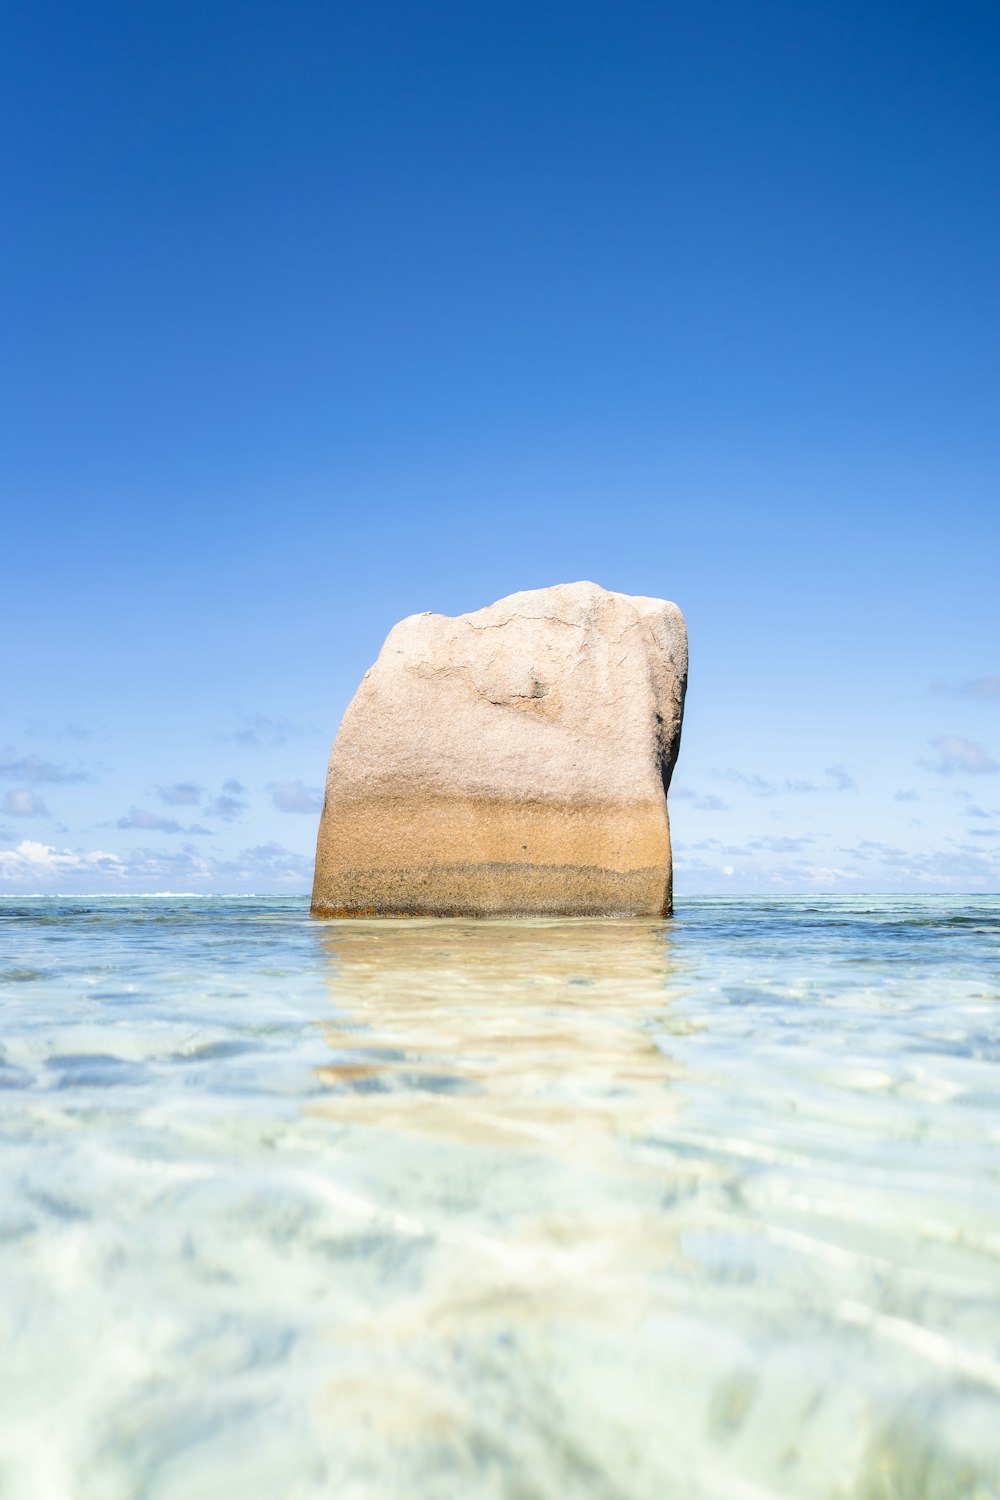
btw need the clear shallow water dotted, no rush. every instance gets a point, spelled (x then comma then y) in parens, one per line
(705, 1208)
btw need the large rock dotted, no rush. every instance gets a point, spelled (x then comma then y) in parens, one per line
(511, 761)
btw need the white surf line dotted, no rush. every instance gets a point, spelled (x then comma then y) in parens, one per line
(931, 1346)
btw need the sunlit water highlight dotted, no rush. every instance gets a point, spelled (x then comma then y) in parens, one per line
(706, 1208)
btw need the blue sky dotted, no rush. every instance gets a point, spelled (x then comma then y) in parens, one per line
(314, 316)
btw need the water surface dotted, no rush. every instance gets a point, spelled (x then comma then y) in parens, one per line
(700, 1208)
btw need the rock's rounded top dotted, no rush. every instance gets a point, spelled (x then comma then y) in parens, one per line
(540, 694)
(575, 602)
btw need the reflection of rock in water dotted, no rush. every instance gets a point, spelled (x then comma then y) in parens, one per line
(543, 1032)
(495, 1088)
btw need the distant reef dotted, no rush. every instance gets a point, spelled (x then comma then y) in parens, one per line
(513, 761)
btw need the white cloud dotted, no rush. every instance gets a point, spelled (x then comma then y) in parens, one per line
(267, 729)
(20, 803)
(265, 868)
(955, 755)
(703, 801)
(986, 689)
(295, 797)
(138, 817)
(182, 794)
(837, 780)
(32, 861)
(227, 807)
(270, 867)
(710, 867)
(36, 768)
(783, 844)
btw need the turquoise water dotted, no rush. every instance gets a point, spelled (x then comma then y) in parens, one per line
(705, 1208)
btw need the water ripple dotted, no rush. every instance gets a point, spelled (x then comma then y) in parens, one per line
(707, 1208)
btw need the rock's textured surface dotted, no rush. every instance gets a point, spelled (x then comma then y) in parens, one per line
(511, 761)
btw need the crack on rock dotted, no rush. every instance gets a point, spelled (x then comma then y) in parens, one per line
(499, 624)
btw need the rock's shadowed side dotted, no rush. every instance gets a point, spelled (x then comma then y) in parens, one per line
(514, 761)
